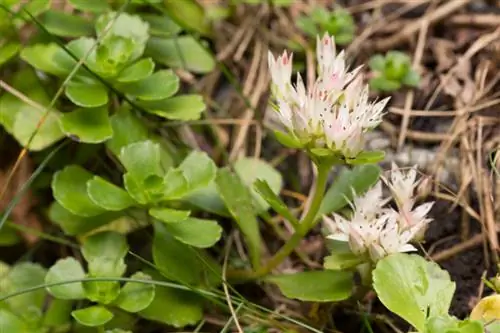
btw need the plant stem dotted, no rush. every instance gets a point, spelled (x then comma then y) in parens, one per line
(307, 223)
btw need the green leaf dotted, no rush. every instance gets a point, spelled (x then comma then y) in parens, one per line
(87, 95)
(190, 16)
(108, 195)
(411, 79)
(377, 63)
(66, 25)
(196, 232)
(307, 25)
(411, 287)
(70, 190)
(176, 185)
(161, 26)
(449, 324)
(127, 129)
(23, 120)
(95, 6)
(367, 157)
(24, 276)
(208, 199)
(342, 260)
(315, 286)
(274, 201)
(74, 225)
(157, 86)
(136, 296)
(12, 323)
(81, 48)
(174, 307)
(105, 253)
(359, 179)
(287, 140)
(137, 71)
(92, 316)
(66, 269)
(142, 159)
(381, 83)
(251, 169)
(123, 25)
(184, 107)
(8, 50)
(90, 125)
(181, 52)
(199, 170)
(238, 200)
(180, 262)
(169, 215)
(41, 56)
(103, 292)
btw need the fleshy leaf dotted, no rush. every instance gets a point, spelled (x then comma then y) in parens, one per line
(108, 195)
(184, 107)
(105, 252)
(70, 190)
(169, 215)
(181, 52)
(195, 232)
(137, 71)
(136, 296)
(274, 201)
(90, 125)
(41, 56)
(199, 170)
(315, 286)
(127, 129)
(142, 159)
(287, 140)
(66, 25)
(238, 200)
(413, 288)
(66, 269)
(180, 262)
(367, 157)
(92, 316)
(342, 260)
(158, 86)
(96, 6)
(87, 95)
(190, 16)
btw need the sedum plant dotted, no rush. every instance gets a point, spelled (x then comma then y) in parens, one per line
(338, 23)
(392, 71)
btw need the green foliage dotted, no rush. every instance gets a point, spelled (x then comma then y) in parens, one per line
(392, 71)
(338, 23)
(420, 292)
(315, 286)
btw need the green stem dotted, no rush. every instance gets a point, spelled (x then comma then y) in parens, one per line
(307, 223)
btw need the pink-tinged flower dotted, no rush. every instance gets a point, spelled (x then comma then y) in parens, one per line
(375, 230)
(333, 112)
(402, 186)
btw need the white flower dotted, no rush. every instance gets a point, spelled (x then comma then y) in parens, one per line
(334, 111)
(402, 186)
(377, 231)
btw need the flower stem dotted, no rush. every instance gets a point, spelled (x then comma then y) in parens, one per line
(306, 224)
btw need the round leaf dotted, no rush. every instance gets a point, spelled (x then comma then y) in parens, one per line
(136, 296)
(104, 253)
(142, 159)
(169, 215)
(12, 323)
(41, 56)
(190, 16)
(66, 25)
(90, 125)
(196, 232)
(92, 316)
(87, 95)
(181, 52)
(70, 190)
(103, 292)
(138, 71)
(65, 270)
(315, 286)
(185, 107)
(157, 86)
(108, 195)
(8, 50)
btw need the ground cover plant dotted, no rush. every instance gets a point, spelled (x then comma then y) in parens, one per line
(249, 166)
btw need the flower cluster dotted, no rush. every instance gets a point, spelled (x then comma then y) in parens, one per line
(334, 111)
(377, 230)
